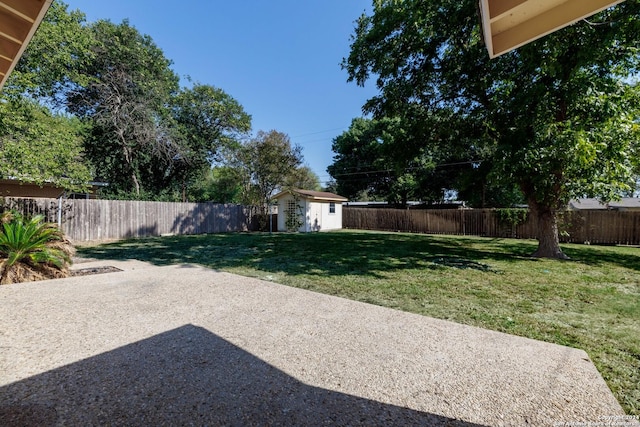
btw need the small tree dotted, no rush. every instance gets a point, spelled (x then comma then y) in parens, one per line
(268, 159)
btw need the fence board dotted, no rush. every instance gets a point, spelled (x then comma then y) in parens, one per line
(87, 220)
(595, 227)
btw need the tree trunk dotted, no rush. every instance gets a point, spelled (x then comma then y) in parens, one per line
(548, 240)
(129, 160)
(136, 184)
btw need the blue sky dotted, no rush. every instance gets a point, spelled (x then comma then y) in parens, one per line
(280, 59)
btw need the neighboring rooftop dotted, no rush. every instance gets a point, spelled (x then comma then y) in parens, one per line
(626, 203)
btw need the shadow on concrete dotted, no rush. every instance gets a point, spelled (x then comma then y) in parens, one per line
(189, 376)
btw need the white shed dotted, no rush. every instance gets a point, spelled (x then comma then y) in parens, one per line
(306, 210)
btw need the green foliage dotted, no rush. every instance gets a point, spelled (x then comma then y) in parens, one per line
(512, 216)
(557, 117)
(53, 63)
(206, 122)
(268, 160)
(222, 184)
(131, 83)
(143, 135)
(480, 188)
(210, 118)
(37, 146)
(38, 245)
(386, 159)
(304, 178)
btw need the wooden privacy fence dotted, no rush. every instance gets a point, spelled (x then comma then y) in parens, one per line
(596, 227)
(86, 220)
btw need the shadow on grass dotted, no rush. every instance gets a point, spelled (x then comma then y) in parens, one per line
(341, 253)
(189, 376)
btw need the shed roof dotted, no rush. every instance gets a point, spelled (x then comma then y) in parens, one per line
(322, 196)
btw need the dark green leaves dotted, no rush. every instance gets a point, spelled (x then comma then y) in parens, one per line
(553, 117)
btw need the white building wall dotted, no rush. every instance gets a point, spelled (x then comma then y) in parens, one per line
(316, 215)
(331, 221)
(315, 222)
(283, 203)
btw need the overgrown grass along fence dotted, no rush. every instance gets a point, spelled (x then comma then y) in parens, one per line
(91, 220)
(594, 227)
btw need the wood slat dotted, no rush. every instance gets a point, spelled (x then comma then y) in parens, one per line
(91, 220)
(594, 227)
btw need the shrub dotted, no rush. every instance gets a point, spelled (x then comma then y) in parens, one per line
(31, 249)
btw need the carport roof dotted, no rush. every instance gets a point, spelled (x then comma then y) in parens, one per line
(19, 20)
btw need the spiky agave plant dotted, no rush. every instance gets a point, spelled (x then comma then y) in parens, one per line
(32, 250)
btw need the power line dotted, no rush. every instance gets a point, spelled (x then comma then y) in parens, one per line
(321, 131)
(469, 162)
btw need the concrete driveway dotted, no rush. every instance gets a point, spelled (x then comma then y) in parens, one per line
(185, 345)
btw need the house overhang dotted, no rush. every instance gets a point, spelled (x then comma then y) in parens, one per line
(19, 20)
(508, 24)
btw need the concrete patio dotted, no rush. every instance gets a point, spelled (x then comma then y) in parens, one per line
(186, 345)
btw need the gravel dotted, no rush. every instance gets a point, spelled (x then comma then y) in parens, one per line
(185, 345)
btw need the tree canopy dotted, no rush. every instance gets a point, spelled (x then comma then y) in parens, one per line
(384, 159)
(39, 147)
(304, 178)
(558, 117)
(143, 134)
(130, 83)
(268, 160)
(206, 122)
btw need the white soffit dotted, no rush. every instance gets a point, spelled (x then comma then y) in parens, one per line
(508, 24)
(19, 20)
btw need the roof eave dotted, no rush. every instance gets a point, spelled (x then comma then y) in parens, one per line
(24, 42)
(328, 199)
(310, 197)
(509, 24)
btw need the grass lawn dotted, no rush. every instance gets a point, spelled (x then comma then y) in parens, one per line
(591, 302)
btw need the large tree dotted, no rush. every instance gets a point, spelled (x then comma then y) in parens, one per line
(221, 184)
(144, 136)
(386, 159)
(206, 121)
(37, 143)
(131, 84)
(358, 164)
(557, 117)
